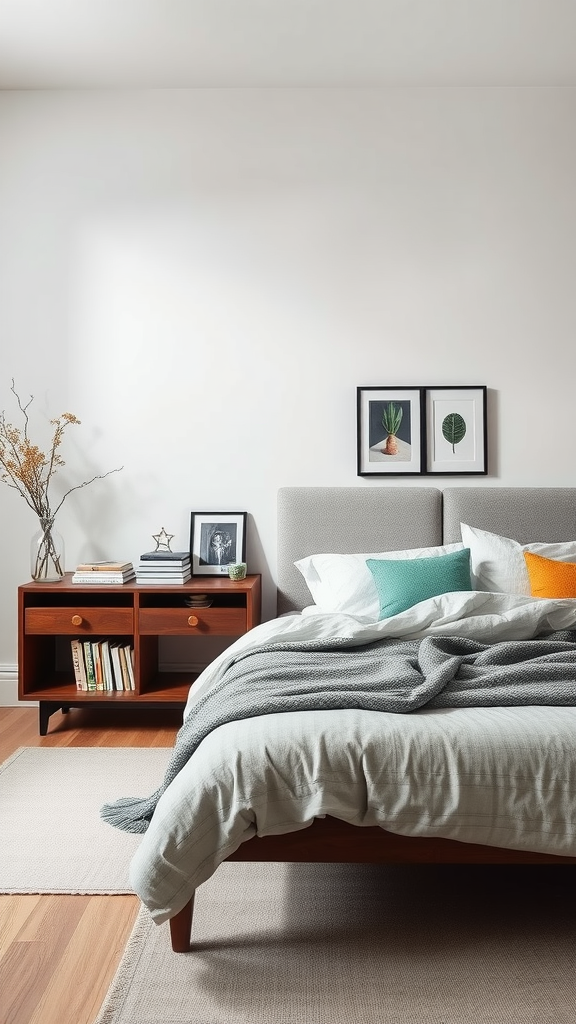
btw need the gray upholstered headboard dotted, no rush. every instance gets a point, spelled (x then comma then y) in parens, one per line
(348, 519)
(527, 514)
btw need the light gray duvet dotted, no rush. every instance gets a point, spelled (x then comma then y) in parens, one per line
(387, 675)
(502, 776)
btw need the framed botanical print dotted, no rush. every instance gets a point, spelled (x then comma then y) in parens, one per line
(389, 429)
(456, 431)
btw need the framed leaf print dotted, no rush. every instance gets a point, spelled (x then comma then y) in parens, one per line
(456, 433)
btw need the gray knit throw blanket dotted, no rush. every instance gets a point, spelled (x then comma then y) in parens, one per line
(385, 675)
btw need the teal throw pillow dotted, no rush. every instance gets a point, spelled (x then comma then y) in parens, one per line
(404, 582)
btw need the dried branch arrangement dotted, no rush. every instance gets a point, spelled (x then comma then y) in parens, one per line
(28, 469)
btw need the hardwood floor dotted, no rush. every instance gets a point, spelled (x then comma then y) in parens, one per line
(58, 954)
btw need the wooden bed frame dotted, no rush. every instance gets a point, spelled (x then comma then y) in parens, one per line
(330, 841)
(357, 519)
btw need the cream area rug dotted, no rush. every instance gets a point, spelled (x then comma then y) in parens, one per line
(52, 839)
(328, 944)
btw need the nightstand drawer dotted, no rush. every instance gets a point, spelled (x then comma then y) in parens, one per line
(77, 620)
(221, 621)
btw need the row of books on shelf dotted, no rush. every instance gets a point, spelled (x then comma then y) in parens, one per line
(103, 665)
(153, 567)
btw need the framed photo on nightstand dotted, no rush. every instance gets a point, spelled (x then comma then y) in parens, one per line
(216, 540)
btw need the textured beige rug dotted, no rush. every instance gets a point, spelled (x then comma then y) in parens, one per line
(314, 944)
(52, 837)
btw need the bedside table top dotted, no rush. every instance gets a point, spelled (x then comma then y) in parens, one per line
(202, 584)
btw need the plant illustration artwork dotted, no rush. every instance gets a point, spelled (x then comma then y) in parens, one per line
(391, 420)
(454, 429)
(389, 430)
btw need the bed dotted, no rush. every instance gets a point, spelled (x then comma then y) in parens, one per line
(415, 769)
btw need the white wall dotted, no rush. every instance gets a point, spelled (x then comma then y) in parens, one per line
(204, 277)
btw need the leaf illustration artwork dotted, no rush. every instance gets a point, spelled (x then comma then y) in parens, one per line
(453, 428)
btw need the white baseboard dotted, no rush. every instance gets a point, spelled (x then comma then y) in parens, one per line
(9, 688)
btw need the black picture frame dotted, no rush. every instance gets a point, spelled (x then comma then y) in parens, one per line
(380, 450)
(217, 540)
(456, 429)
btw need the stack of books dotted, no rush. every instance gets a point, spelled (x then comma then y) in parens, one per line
(164, 567)
(100, 573)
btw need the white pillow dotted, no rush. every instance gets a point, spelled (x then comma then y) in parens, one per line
(343, 583)
(497, 563)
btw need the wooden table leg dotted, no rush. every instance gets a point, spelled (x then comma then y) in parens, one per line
(180, 928)
(45, 709)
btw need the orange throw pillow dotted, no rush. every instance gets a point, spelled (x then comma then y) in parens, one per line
(550, 578)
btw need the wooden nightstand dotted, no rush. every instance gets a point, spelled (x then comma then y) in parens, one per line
(51, 615)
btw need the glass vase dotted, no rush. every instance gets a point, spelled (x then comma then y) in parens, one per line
(47, 554)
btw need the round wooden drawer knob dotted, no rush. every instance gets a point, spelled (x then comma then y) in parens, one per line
(76, 620)
(192, 620)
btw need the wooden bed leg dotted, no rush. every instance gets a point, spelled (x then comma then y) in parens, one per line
(180, 928)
